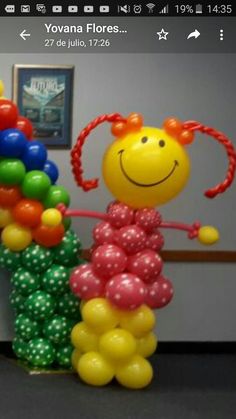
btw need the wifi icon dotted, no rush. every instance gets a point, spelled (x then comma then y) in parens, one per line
(150, 7)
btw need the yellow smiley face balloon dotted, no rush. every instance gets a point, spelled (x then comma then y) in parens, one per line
(145, 168)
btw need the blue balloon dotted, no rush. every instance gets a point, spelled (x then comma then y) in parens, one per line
(12, 143)
(34, 156)
(51, 169)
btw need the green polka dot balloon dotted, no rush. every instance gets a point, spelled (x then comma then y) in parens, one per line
(20, 348)
(68, 250)
(63, 355)
(40, 305)
(68, 305)
(26, 328)
(37, 258)
(25, 282)
(8, 259)
(17, 301)
(57, 329)
(56, 280)
(40, 352)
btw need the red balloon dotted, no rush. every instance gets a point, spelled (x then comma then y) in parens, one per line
(146, 264)
(85, 284)
(131, 238)
(126, 291)
(9, 196)
(108, 260)
(48, 236)
(24, 125)
(120, 215)
(28, 212)
(8, 114)
(148, 219)
(155, 241)
(103, 233)
(160, 293)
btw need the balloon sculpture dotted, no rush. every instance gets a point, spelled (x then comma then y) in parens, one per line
(37, 245)
(143, 167)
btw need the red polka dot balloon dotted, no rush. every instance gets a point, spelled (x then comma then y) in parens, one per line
(160, 293)
(126, 291)
(146, 264)
(148, 219)
(85, 284)
(108, 260)
(103, 233)
(120, 215)
(131, 238)
(155, 241)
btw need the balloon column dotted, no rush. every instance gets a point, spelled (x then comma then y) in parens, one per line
(143, 167)
(37, 247)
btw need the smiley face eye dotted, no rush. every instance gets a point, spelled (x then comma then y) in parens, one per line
(144, 139)
(162, 143)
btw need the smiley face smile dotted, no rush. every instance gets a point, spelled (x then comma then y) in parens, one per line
(145, 185)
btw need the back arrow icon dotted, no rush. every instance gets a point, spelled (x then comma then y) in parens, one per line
(194, 34)
(24, 35)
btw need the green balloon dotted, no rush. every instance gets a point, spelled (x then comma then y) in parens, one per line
(66, 222)
(25, 282)
(56, 280)
(17, 301)
(12, 172)
(63, 355)
(68, 305)
(57, 330)
(36, 184)
(25, 328)
(67, 251)
(40, 305)
(37, 258)
(8, 259)
(40, 352)
(20, 348)
(56, 195)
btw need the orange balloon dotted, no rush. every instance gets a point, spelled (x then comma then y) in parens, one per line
(9, 196)
(28, 212)
(48, 236)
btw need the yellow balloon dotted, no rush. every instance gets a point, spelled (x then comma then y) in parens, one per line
(51, 217)
(208, 235)
(1, 88)
(117, 344)
(83, 338)
(76, 354)
(136, 373)
(99, 314)
(150, 168)
(146, 346)
(16, 237)
(95, 370)
(138, 322)
(5, 217)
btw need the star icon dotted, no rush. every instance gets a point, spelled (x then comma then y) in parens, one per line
(162, 35)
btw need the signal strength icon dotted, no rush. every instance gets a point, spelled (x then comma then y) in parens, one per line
(165, 10)
(150, 7)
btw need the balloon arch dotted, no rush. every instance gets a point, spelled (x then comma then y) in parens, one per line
(118, 289)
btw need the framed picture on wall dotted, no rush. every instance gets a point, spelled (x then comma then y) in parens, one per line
(44, 94)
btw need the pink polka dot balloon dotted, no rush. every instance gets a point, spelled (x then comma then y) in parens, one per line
(148, 219)
(85, 284)
(120, 215)
(155, 241)
(131, 238)
(160, 293)
(126, 291)
(103, 233)
(146, 264)
(108, 260)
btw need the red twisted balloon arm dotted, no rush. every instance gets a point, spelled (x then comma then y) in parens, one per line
(231, 153)
(192, 230)
(76, 153)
